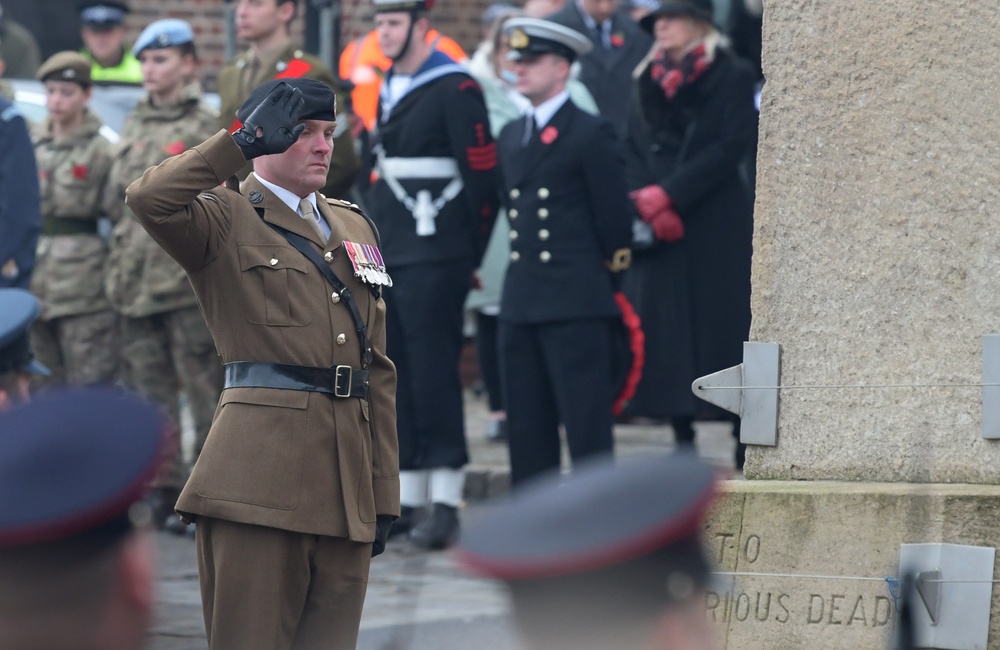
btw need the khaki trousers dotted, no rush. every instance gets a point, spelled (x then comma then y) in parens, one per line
(270, 589)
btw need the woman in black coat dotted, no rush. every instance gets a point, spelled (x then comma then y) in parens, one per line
(690, 127)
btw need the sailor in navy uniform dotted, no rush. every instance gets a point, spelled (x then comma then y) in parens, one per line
(434, 202)
(610, 557)
(570, 228)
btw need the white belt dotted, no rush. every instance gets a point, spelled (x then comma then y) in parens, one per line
(423, 208)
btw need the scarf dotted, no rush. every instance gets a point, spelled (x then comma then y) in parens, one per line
(671, 76)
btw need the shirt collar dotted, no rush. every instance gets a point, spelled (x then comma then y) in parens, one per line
(291, 199)
(544, 111)
(589, 21)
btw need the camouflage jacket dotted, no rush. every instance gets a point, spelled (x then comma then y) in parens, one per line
(72, 175)
(141, 279)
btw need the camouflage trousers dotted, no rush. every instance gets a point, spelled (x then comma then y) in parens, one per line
(170, 352)
(79, 349)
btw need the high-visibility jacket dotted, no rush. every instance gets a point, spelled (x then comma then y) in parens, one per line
(364, 63)
(128, 71)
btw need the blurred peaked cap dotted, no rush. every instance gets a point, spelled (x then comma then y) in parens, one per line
(65, 66)
(321, 101)
(392, 6)
(603, 516)
(534, 36)
(102, 14)
(18, 310)
(700, 9)
(169, 32)
(73, 462)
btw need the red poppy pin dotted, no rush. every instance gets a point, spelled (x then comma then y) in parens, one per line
(549, 135)
(80, 172)
(175, 148)
(617, 39)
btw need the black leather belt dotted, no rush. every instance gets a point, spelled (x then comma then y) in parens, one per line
(339, 381)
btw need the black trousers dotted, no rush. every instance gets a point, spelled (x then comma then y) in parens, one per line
(554, 373)
(424, 315)
(488, 353)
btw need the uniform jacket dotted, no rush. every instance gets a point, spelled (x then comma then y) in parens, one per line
(72, 175)
(442, 115)
(693, 295)
(607, 72)
(20, 221)
(292, 63)
(569, 214)
(141, 279)
(293, 460)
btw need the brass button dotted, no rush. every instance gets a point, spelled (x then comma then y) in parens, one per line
(328, 256)
(341, 339)
(543, 234)
(514, 193)
(545, 256)
(274, 260)
(512, 213)
(543, 193)
(335, 297)
(513, 235)
(543, 213)
(514, 256)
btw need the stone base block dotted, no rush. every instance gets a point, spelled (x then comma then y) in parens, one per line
(848, 536)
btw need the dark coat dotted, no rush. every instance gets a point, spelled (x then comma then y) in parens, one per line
(693, 296)
(20, 219)
(569, 213)
(607, 73)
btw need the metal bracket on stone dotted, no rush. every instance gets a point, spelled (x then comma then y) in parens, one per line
(955, 585)
(750, 390)
(991, 393)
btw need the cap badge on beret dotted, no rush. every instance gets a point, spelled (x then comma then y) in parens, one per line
(518, 39)
(69, 73)
(163, 40)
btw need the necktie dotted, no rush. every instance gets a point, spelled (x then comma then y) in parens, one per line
(317, 222)
(250, 72)
(529, 129)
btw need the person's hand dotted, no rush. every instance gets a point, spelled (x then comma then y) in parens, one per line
(272, 127)
(382, 525)
(667, 226)
(650, 201)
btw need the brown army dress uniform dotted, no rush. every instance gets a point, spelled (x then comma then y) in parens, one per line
(289, 460)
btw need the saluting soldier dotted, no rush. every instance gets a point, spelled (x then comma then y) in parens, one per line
(570, 228)
(298, 482)
(434, 202)
(76, 335)
(165, 342)
(273, 55)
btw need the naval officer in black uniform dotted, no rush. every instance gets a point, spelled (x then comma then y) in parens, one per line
(570, 228)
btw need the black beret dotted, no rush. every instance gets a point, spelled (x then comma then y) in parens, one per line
(73, 462)
(320, 100)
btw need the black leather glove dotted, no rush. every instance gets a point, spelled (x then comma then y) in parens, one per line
(382, 525)
(272, 127)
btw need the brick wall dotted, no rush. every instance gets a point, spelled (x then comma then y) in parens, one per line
(458, 19)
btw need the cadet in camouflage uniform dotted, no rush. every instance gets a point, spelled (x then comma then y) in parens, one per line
(76, 334)
(165, 342)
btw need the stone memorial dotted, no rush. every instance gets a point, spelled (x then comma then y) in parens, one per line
(876, 269)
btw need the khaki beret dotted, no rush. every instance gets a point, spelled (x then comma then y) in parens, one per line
(65, 66)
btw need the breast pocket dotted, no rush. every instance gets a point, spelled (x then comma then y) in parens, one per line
(272, 278)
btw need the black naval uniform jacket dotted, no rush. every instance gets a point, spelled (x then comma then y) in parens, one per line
(442, 115)
(569, 214)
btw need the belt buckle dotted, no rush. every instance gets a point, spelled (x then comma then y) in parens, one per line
(337, 383)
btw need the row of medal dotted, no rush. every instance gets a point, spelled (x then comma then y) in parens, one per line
(368, 264)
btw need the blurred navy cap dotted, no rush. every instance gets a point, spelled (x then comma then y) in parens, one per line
(102, 14)
(73, 462)
(18, 310)
(169, 32)
(603, 516)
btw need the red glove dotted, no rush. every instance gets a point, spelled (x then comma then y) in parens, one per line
(667, 226)
(650, 201)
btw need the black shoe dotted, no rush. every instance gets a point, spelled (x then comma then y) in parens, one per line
(497, 431)
(409, 517)
(439, 530)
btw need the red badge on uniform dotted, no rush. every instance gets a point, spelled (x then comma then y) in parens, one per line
(549, 135)
(617, 39)
(175, 148)
(80, 172)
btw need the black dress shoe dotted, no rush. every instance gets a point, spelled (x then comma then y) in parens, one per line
(497, 431)
(409, 517)
(439, 530)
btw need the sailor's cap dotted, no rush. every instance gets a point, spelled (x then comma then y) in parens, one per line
(528, 37)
